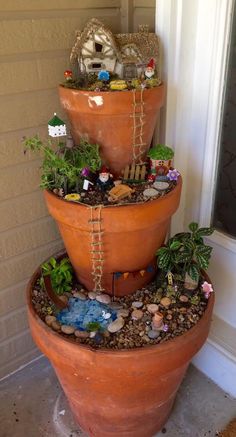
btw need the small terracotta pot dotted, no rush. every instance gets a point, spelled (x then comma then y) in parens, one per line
(125, 393)
(118, 121)
(129, 234)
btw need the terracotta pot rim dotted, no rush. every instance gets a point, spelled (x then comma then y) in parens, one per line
(159, 199)
(114, 92)
(121, 352)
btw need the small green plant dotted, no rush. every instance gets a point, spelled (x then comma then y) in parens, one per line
(62, 167)
(186, 253)
(162, 152)
(93, 326)
(60, 273)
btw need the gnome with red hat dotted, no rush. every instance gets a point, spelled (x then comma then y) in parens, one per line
(105, 181)
(150, 69)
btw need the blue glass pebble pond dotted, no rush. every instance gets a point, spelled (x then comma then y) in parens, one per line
(82, 312)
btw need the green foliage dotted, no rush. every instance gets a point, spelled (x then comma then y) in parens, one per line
(60, 273)
(186, 252)
(160, 151)
(62, 167)
(93, 326)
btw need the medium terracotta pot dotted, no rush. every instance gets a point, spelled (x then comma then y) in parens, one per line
(125, 393)
(128, 237)
(121, 122)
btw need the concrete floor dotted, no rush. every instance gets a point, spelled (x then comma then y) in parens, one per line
(33, 405)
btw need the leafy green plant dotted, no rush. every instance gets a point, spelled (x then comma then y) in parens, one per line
(60, 273)
(93, 326)
(186, 252)
(160, 151)
(61, 168)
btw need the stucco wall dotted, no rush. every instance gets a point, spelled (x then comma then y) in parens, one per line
(36, 37)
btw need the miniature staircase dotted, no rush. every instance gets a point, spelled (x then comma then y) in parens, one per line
(97, 253)
(138, 123)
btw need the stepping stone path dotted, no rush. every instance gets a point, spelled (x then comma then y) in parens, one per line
(67, 329)
(103, 298)
(117, 325)
(81, 334)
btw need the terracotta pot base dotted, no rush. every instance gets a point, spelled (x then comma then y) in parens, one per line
(119, 393)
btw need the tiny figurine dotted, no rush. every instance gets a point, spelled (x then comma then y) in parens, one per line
(68, 75)
(86, 184)
(56, 127)
(118, 85)
(103, 75)
(170, 278)
(173, 175)
(119, 192)
(105, 181)
(161, 161)
(150, 69)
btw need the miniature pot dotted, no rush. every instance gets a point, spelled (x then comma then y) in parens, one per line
(121, 122)
(119, 393)
(129, 236)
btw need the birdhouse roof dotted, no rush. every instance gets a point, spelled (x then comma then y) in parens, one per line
(55, 121)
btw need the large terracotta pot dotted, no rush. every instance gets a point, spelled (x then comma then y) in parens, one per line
(121, 122)
(125, 393)
(129, 236)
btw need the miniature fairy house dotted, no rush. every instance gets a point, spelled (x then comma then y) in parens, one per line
(97, 49)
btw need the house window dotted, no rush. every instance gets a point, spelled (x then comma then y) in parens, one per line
(98, 47)
(96, 65)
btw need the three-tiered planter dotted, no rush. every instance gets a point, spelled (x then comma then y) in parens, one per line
(120, 393)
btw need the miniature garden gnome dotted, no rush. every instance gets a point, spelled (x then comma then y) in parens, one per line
(105, 181)
(150, 69)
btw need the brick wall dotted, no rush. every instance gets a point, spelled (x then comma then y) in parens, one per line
(36, 38)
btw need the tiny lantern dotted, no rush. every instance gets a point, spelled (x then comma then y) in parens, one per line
(56, 127)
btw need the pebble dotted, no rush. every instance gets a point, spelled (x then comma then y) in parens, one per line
(92, 334)
(159, 185)
(103, 298)
(137, 314)
(56, 326)
(79, 295)
(98, 338)
(137, 304)
(81, 334)
(123, 313)
(165, 302)
(152, 308)
(117, 325)
(64, 299)
(183, 298)
(153, 334)
(50, 319)
(67, 329)
(92, 295)
(150, 192)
